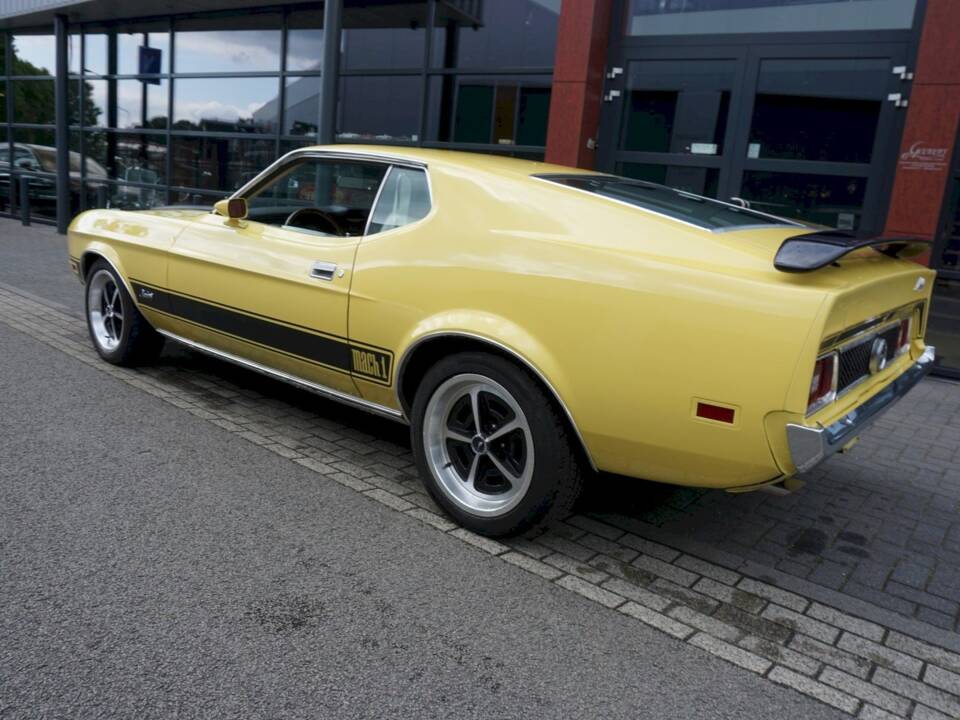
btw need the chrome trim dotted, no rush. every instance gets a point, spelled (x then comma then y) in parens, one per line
(294, 155)
(401, 366)
(322, 390)
(321, 270)
(810, 446)
(861, 329)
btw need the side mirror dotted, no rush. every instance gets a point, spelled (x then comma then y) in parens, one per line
(232, 208)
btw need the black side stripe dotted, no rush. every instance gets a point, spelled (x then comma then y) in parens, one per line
(341, 355)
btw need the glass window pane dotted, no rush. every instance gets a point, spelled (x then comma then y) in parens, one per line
(219, 50)
(818, 109)
(33, 102)
(128, 50)
(379, 108)
(504, 110)
(831, 200)
(702, 181)
(3, 111)
(301, 105)
(677, 106)
(219, 164)
(94, 102)
(305, 40)
(139, 158)
(226, 104)
(3, 71)
(680, 205)
(515, 34)
(141, 104)
(95, 60)
(344, 190)
(703, 17)
(73, 54)
(384, 35)
(195, 198)
(405, 198)
(34, 55)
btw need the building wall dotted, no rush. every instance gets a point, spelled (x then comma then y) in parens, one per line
(931, 128)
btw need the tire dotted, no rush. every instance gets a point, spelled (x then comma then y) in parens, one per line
(120, 334)
(499, 481)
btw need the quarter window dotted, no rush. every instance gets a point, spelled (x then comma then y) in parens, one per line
(405, 198)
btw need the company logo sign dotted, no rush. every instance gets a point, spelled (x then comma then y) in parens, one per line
(921, 157)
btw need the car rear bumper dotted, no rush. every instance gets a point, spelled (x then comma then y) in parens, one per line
(810, 446)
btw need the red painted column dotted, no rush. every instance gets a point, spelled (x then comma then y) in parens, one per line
(931, 128)
(578, 74)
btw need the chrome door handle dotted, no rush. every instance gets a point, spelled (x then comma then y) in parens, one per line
(323, 270)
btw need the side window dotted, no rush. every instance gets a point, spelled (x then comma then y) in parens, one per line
(405, 198)
(333, 197)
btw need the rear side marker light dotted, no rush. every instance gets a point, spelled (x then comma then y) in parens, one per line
(715, 412)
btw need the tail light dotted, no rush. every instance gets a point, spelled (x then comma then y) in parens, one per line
(904, 336)
(823, 384)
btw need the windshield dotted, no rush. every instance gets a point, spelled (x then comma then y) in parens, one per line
(677, 204)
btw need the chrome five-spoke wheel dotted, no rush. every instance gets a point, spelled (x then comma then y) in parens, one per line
(478, 445)
(105, 310)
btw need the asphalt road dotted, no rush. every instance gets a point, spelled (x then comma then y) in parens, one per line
(153, 565)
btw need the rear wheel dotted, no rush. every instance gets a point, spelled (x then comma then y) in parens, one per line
(120, 334)
(492, 447)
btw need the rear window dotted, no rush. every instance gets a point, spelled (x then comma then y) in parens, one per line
(683, 206)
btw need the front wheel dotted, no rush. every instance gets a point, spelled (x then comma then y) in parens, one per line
(492, 447)
(120, 334)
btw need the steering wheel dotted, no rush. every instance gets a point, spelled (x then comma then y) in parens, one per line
(310, 218)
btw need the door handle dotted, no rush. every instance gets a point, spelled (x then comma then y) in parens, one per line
(323, 270)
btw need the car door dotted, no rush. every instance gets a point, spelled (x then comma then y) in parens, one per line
(273, 289)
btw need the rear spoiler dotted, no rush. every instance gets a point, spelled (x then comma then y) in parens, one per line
(814, 250)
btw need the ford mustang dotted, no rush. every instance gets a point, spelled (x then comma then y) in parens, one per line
(533, 324)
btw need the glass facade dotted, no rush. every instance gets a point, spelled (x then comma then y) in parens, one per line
(184, 109)
(704, 17)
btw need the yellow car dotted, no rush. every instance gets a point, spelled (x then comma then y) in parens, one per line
(532, 323)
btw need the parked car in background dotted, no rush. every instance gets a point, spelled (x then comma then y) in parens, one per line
(39, 163)
(532, 323)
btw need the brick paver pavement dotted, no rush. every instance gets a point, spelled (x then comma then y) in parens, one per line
(871, 663)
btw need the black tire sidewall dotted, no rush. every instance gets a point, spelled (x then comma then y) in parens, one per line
(549, 445)
(122, 352)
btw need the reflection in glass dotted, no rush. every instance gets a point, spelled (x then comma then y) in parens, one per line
(301, 106)
(831, 200)
(3, 115)
(141, 104)
(226, 104)
(33, 101)
(943, 329)
(677, 106)
(74, 61)
(305, 50)
(379, 108)
(128, 50)
(701, 181)
(203, 51)
(505, 110)
(95, 60)
(219, 164)
(704, 17)
(94, 94)
(818, 109)
(382, 37)
(34, 55)
(515, 34)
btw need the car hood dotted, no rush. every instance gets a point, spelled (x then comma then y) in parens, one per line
(178, 212)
